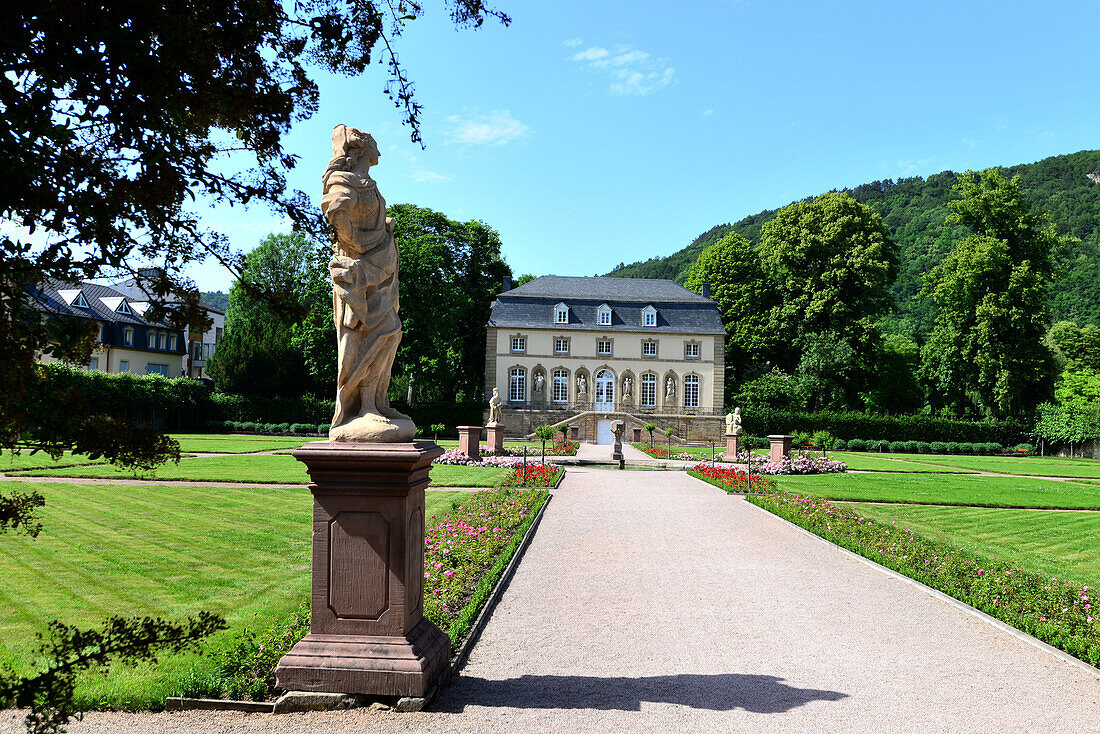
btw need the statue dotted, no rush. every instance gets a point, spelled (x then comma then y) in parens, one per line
(733, 423)
(628, 385)
(364, 293)
(670, 388)
(582, 387)
(538, 382)
(495, 405)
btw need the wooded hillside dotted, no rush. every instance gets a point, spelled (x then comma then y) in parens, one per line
(1067, 187)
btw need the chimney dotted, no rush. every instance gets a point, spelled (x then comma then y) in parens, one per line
(706, 290)
(507, 284)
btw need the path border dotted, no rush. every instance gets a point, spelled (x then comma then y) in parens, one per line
(935, 593)
(472, 637)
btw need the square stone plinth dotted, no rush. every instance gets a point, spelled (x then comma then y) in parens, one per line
(367, 634)
(494, 439)
(468, 441)
(779, 447)
(733, 446)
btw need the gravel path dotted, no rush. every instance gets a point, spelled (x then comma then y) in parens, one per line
(652, 602)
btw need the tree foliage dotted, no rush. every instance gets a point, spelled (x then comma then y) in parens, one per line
(986, 349)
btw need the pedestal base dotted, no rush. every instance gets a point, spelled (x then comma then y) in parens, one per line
(469, 438)
(362, 664)
(494, 438)
(779, 447)
(733, 446)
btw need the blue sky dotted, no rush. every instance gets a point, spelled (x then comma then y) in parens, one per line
(589, 133)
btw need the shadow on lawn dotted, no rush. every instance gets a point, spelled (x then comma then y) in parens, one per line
(762, 694)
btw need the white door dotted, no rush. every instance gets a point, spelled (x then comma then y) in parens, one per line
(605, 390)
(604, 435)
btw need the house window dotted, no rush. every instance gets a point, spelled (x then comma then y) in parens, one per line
(603, 347)
(649, 349)
(560, 386)
(691, 350)
(519, 344)
(160, 340)
(561, 346)
(93, 365)
(128, 336)
(156, 369)
(649, 316)
(123, 308)
(99, 333)
(151, 338)
(561, 314)
(171, 342)
(691, 391)
(649, 390)
(81, 301)
(605, 315)
(124, 365)
(517, 385)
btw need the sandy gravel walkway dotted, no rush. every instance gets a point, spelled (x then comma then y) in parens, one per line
(651, 602)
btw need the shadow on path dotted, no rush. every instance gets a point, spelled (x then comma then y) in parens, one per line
(763, 694)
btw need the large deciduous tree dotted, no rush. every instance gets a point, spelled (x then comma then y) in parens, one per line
(832, 261)
(986, 349)
(745, 297)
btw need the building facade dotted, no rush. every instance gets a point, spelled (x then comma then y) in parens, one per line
(588, 351)
(125, 341)
(200, 345)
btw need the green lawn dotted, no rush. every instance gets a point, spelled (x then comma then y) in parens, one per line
(267, 469)
(906, 463)
(1061, 544)
(165, 551)
(954, 489)
(10, 462)
(235, 443)
(1035, 465)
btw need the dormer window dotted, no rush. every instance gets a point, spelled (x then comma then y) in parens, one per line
(81, 301)
(561, 314)
(649, 316)
(74, 297)
(604, 315)
(123, 308)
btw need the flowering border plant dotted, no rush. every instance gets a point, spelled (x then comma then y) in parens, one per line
(799, 462)
(1057, 611)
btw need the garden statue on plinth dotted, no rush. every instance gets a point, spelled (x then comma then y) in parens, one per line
(495, 406)
(494, 429)
(734, 431)
(628, 386)
(582, 389)
(367, 632)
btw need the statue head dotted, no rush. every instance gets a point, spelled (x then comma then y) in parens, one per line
(496, 392)
(351, 148)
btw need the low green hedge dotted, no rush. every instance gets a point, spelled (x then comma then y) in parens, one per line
(887, 428)
(920, 447)
(1056, 611)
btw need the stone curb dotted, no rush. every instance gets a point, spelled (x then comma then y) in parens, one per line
(182, 703)
(960, 605)
(459, 659)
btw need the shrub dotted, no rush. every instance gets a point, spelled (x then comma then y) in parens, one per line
(924, 447)
(996, 448)
(941, 447)
(249, 427)
(302, 427)
(896, 447)
(858, 444)
(839, 444)
(802, 438)
(912, 447)
(1024, 448)
(323, 428)
(823, 440)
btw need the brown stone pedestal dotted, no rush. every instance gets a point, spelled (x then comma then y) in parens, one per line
(733, 446)
(468, 438)
(494, 439)
(780, 446)
(367, 634)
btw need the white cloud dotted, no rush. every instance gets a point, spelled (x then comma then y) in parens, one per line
(572, 42)
(422, 176)
(706, 113)
(496, 128)
(633, 72)
(907, 167)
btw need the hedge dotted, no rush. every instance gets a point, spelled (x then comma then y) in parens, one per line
(183, 404)
(887, 428)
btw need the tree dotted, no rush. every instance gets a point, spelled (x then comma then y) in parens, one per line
(544, 433)
(1074, 344)
(745, 297)
(833, 261)
(896, 388)
(986, 348)
(116, 118)
(774, 390)
(263, 351)
(651, 427)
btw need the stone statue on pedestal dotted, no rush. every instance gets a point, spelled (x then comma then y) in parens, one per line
(670, 388)
(582, 388)
(495, 406)
(733, 423)
(628, 386)
(539, 382)
(364, 293)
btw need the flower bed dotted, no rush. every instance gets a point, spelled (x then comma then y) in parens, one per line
(731, 480)
(565, 448)
(662, 452)
(797, 463)
(533, 475)
(1054, 610)
(452, 457)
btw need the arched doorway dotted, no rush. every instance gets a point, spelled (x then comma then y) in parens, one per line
(605, 390)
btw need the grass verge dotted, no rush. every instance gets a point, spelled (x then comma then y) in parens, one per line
(1055, 610)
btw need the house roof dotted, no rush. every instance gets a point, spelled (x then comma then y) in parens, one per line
(679, 310)
(633, 290)
(136, 289)
(59, 298)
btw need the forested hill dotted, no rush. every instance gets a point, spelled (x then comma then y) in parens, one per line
(1067, 187)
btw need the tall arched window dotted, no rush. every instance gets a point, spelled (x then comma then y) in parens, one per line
(649, 390)
(691, 391)
(517, 385)
(560, 386)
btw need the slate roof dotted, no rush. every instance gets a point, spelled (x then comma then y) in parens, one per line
(678, 310)
(136, 289)
(49, 299)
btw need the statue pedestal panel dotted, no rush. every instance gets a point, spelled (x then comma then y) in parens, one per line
(367, 634)
(733, 446)
(780, 446)
(468, 441)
